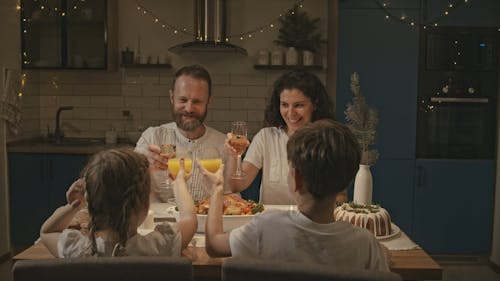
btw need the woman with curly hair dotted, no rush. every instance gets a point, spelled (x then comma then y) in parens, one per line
(298, 98)
(116, 186)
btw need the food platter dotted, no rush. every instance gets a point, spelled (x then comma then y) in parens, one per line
(395, 231)
(228, 221)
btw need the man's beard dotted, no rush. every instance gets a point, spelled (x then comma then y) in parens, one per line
(190, 125)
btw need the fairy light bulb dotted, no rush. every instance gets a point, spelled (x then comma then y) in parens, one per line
(271, 25)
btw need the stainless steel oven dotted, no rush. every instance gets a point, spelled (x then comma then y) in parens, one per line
(456, 127)
(458, 89)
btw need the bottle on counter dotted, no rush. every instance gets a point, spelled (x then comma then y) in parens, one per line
(111, 136)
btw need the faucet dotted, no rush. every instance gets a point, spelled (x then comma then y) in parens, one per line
(58, 134)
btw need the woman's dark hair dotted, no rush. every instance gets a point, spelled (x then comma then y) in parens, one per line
(196, 71)
(312, 88)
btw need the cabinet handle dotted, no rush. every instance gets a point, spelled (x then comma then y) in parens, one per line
(42, 170)
(51, 174)
(460, 100)
(420, 177)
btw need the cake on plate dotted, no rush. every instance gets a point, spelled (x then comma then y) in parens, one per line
(372, 217)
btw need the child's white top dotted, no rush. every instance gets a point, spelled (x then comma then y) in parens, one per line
(291, 236)
(165, 240)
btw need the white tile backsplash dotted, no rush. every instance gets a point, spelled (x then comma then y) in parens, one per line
(100, 98)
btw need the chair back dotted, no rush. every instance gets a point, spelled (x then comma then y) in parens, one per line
(104, 268)
(250, 270)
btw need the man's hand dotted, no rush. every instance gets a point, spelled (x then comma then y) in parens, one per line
(156, 159)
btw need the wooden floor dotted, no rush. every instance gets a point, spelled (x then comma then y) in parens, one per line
(463, 271)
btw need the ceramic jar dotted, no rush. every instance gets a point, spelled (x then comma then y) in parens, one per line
(308, 58)
(263, 57)
(277, 57)
(292, 56)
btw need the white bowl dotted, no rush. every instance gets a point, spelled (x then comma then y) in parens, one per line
(230, 222)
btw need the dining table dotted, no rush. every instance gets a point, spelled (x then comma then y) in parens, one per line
(406, 258)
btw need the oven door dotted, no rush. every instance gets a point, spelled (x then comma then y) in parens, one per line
(462, 128)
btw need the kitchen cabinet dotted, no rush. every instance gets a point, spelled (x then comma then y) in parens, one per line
(62, 34)
(446, 206)
(393, 190)
(453, 210)
(38, 184)
(288, 67)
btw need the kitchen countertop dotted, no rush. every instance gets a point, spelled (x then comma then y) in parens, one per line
(68, 146)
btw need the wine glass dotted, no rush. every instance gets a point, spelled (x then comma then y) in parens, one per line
(239, 142)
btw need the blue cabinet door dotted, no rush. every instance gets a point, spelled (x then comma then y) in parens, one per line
(29, 200)
(388, 70)
(64, 169)
(454, 206)
(393, 190)
(37, 186)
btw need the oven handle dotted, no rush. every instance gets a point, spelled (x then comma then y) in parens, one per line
(460, 100)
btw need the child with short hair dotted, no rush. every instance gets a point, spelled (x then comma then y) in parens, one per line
(323, 159)
(116, 186)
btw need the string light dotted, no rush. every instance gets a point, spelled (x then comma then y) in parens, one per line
(242, 35)
(412, 22)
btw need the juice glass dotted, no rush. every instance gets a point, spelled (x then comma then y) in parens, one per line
(174, 163)
(209, 158)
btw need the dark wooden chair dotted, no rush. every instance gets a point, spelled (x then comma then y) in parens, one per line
(234, 269)
(104, 268)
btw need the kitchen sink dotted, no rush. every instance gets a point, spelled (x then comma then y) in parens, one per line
(80, 141)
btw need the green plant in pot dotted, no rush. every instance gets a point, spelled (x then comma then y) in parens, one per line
(299, 31)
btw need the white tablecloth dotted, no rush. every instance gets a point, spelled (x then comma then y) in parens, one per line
(399, 242)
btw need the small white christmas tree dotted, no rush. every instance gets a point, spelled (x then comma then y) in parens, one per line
(362, 120)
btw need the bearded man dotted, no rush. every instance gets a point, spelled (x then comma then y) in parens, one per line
(190, 95)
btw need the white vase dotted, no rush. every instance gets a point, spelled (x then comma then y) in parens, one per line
(363, 185)
(292, 56)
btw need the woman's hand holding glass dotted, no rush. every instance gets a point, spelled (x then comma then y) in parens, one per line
(239, 142)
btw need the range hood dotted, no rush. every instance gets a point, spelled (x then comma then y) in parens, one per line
(210, 30)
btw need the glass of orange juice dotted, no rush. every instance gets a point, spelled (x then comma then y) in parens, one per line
(209, 158)
(174, 163)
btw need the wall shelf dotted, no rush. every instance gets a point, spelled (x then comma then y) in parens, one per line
(288, 67)
(147, 65)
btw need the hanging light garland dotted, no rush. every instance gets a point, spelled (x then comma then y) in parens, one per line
(403, 18)
(249, 34)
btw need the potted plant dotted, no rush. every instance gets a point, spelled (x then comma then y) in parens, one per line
(299, 32)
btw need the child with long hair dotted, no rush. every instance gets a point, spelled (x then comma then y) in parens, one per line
(115, 186)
